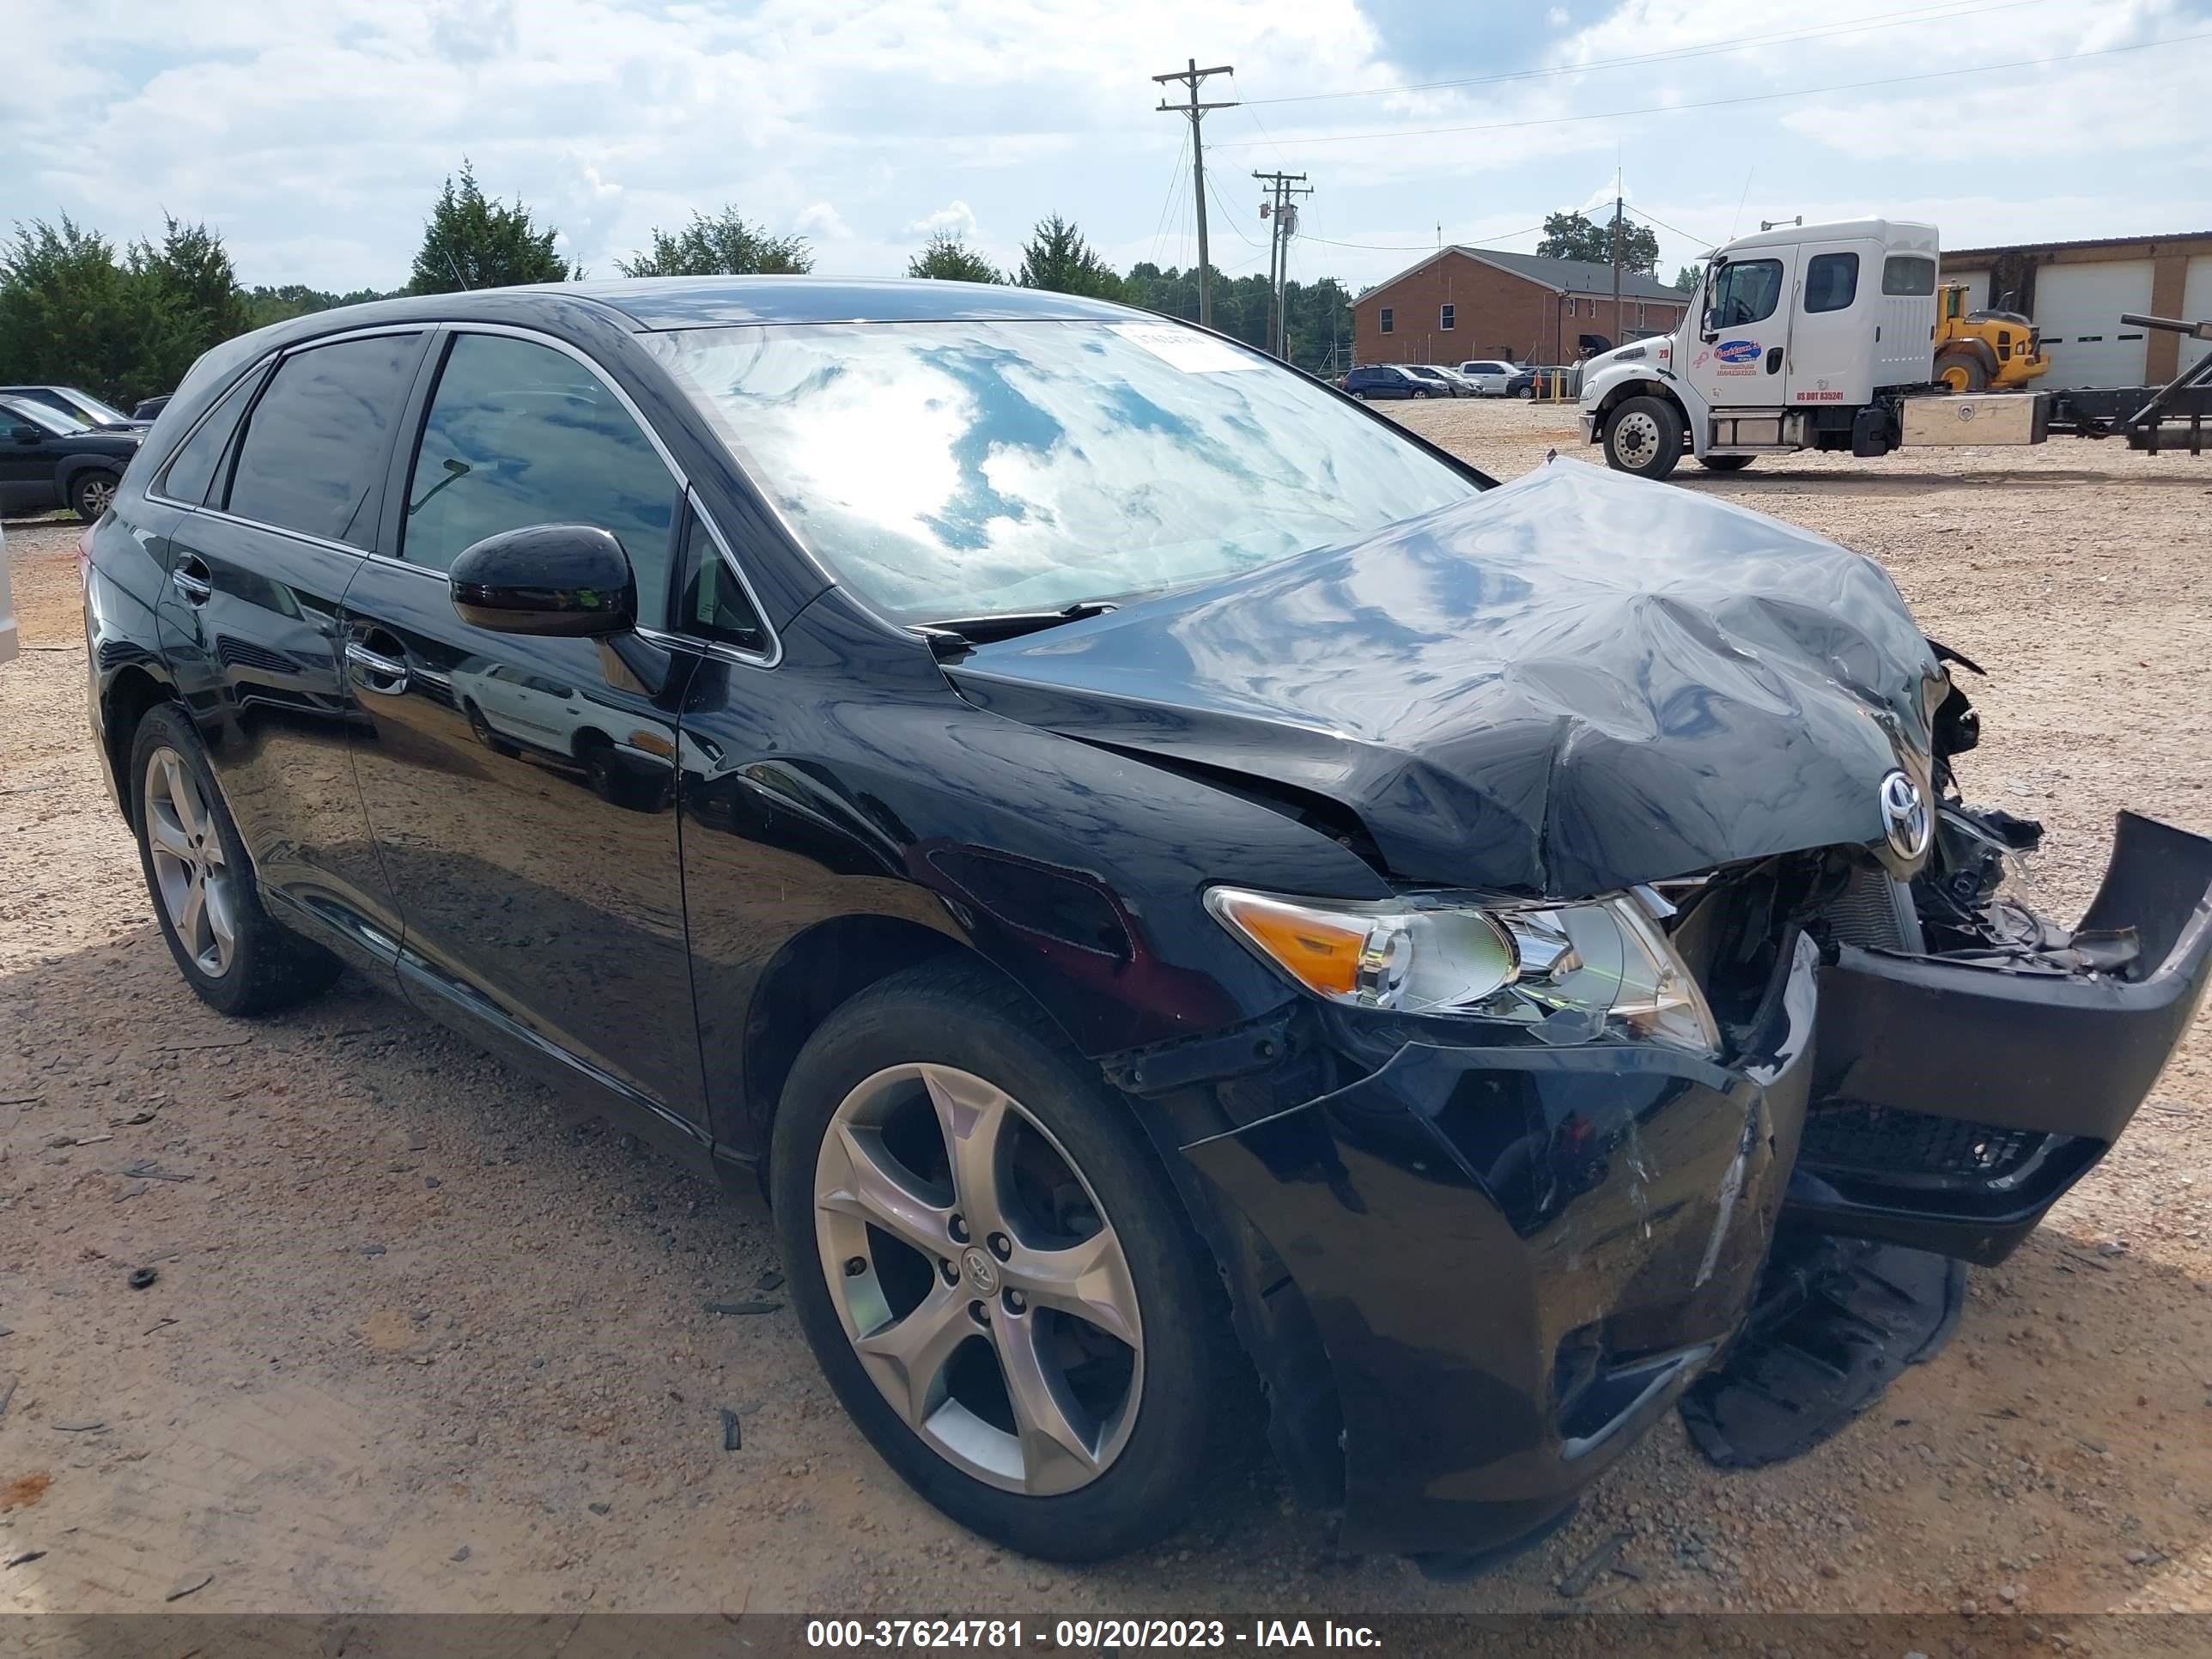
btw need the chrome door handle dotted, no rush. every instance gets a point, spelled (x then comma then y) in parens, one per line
(195, 590)
(374, 666)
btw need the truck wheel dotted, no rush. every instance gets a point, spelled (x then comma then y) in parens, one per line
(1725, 463)
(1962, 372)
(1643, 436)
(92, 493)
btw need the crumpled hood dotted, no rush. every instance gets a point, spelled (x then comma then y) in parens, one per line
(1567, 684)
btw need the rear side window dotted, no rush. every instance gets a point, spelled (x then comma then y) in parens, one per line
(313, 454)
(520, 434)
(194, 467)
(1748, 292)
(1831, 281)
(1908, 273)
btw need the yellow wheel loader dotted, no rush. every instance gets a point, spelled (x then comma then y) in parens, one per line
(1983, 350)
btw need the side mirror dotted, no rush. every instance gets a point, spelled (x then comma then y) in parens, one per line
(26, 434)
(572, 581)
(1709, 328)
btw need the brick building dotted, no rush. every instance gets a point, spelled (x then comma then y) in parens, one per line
(1463, 302)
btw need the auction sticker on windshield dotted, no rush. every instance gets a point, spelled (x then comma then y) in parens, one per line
(1200, 353)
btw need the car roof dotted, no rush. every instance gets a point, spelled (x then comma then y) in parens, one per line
(653, 303)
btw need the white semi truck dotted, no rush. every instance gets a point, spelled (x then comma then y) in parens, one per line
(1822, 337)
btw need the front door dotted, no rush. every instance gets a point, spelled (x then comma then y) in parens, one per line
(29, 454)
(521, 788)
(1738, 361)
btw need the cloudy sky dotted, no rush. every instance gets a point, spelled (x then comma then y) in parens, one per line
(315, 135)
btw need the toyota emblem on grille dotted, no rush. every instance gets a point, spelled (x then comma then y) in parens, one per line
(1905, 818)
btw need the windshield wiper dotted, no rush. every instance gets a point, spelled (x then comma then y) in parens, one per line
(955, 635)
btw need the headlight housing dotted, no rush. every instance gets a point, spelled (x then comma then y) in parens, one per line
(1573, 971)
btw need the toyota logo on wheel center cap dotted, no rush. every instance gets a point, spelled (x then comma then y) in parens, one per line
(982, 1272)
(1905, 819)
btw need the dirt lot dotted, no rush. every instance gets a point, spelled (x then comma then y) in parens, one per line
(419, 1342)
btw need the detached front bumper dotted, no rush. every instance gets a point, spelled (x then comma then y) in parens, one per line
(1955, 1102)
(1517, 1257)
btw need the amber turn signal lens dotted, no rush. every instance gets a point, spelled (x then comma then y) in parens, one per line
(1322, 952)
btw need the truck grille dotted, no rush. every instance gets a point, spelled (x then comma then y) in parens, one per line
(1853, 1136)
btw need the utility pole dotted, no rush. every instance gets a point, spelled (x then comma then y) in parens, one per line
(1192, 77)
(1283, 215)
(1619, 334)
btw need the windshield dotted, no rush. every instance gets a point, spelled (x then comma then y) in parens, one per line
(22, 409)
(89, 408)
(967, 469)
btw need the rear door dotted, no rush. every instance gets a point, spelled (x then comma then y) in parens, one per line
(519, 787)
(1738, 361)
(285, 505)
(1830, 357)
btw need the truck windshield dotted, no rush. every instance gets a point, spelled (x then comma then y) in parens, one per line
(977, 469)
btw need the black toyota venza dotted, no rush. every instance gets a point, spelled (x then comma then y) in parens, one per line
(1177, 891)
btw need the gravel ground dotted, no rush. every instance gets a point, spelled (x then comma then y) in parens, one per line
(419, 1341)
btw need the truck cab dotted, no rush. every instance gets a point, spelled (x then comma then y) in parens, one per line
(1804, 338)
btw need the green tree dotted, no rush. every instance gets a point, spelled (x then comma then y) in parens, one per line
(68, 314)
(266, 305)
(947, 256)
(185, 298)
(725, 245)
(1687, 277)
(1057, 258)
(472, 240)
(1571, 236)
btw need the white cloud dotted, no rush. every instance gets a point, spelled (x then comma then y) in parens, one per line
(316, 136)
(956, 216)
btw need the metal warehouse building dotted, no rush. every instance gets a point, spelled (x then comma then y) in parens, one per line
(2074, 293)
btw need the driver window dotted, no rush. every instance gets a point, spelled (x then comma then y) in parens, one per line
(520, 434)
(1746, 292)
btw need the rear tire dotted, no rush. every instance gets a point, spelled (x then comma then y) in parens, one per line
(930, 1041)
(1725, 463)
(1643, 436)
(201, 880)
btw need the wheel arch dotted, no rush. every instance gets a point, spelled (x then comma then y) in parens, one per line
(124, 702)
(1637, 386)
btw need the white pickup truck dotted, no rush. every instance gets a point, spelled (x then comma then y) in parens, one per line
(1819, 336)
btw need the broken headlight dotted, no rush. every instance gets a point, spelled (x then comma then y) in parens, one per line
(1570, 971)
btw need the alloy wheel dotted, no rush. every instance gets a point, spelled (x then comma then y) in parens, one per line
(1636, 439)
(97, 495)
(979, 1278)
(190, 870)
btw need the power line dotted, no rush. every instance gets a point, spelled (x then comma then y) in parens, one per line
(1708, 240)
(1421, 247)
(1907, 18)
(1167, 199)
(1214, 191)
(1746, 98)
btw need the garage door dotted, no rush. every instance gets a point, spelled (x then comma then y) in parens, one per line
(2078, 309)
(1978, 288)
(2197, 305)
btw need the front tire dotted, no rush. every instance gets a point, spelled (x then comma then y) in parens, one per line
(201, 881)
(92, 492)
(1962, 371)
(1643, 436)
(1725, 463)
(995, 1273)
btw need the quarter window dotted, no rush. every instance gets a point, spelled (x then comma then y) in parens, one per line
(714, 602)
(1831, 281)
(1443, 319)
(1386, 318)
(1746, 292)
(194, 466)
(520, 434)
(313, 454)
(1908, 274)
